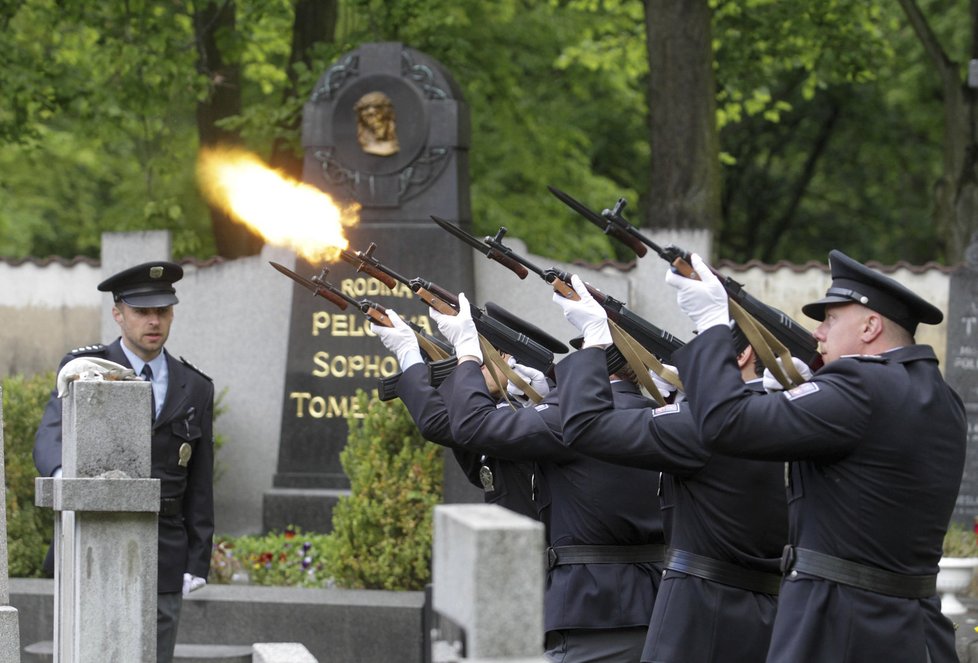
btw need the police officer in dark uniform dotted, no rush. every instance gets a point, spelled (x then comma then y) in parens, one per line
(725, 518)
(604, 526)
(876, 441)
(182, 437)
(506, 483)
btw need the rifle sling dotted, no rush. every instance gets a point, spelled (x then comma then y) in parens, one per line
(496, 365)
(642, 361)
(767, 345)
(433, 350)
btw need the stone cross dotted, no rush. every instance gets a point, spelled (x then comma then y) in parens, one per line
(105, 532)
(9, 630)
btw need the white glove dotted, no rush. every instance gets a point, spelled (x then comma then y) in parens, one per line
(770, 382)
(191, 583)
(536, 379)
(703, 300)
(399, 339)
(588, 316)
(459, 329)
(665, 388)
(91, 368)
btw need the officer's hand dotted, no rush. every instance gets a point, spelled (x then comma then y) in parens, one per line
(536, 379)
(587, 315)
(665, 388)
(459, 329)
(771, 383)
(703, 300)
(191, 583)
(399, 339)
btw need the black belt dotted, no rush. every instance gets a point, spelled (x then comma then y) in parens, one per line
(725, 573)
(171, 506)
(652, 553)
(843, 571)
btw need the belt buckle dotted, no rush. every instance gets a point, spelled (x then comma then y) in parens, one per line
(787, 558)
(551, 557)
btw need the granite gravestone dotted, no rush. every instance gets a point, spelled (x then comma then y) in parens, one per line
(385, 128)
(961, 371)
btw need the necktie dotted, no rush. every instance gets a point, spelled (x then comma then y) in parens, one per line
(147, 374)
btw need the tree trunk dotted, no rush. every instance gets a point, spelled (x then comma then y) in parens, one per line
(315, 22)
(684, 191)
(232, 239)
(956, 192)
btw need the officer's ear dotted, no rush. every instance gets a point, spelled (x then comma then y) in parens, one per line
(872, 327)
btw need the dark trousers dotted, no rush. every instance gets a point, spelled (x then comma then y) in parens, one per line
(612, 645)
(167, 619)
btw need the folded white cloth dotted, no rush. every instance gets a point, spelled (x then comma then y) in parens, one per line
(91, 368)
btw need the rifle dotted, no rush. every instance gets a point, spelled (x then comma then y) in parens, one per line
(790, 335)
(439, 353)
(519, 345)
(656, 340)
(635, 338)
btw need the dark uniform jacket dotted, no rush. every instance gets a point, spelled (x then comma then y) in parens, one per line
(713, 505)
(511, 485)
(877, 445)
(591, 502)
(185, 538)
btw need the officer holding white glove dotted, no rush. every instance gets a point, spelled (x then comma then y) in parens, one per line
(536, 379)
(703, 300)
(460, 330)
(589, 317)
(771, 383)
(399, 339)
(666, 388)
(192, 583)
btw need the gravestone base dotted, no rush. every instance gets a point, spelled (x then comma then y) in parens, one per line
(9, 635)
(309, 509)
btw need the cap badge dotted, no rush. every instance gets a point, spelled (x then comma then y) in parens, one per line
(155, 272)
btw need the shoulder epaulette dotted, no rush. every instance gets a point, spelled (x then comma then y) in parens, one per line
(874, 359)
(195, 369)
(96, 349)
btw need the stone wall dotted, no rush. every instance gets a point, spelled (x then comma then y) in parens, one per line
(233, 318)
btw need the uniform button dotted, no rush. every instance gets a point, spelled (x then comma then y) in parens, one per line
(794, 574)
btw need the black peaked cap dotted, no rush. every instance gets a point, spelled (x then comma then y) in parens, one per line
(853, 281)
(147, 285)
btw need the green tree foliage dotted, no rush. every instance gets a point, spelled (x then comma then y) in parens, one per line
(29, 528)
(382, 536)
(830, 115)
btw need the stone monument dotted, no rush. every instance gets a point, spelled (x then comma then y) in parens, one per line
(961, 371)
(488, 580)
(9, 629)
(105, 535)
(386, 128)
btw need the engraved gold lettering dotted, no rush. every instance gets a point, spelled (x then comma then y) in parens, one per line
(317, 407)
(341, 323)
(321, 359)
(320, 320)
(300, 397)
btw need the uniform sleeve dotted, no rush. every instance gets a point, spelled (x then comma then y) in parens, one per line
(47, 439)
(664, 439)
(198, 502)
(823, 419)
(425, 405)
(522, 434)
